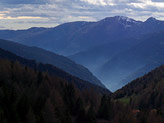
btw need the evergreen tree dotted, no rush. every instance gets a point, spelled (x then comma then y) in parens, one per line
(2, 117)
(69, 97)
(23, 107)
(40, 78)
(80, 111)
(105, 108)
(91, 115)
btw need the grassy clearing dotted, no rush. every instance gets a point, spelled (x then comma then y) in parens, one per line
(125, 100)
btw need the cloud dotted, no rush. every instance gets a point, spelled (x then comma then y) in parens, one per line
(148, 4)
(2, 27)
(23, 1)
(54, 12)
(17, 18)
(100, 2)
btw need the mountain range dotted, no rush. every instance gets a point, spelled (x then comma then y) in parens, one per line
(109, 48)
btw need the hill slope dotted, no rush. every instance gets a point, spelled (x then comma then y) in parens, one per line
(28, 95)
(135, 62)
(45, 56)
(51, 70)
(146, 92)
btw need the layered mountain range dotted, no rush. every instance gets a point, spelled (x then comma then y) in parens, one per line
(116, 49)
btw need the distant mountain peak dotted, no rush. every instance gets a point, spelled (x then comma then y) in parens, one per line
(151, 19)
(121, 19)
(124, 18)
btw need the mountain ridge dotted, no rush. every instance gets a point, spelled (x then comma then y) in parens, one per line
(44, 56)
(51, 70)
(146, 92)
(110, 37)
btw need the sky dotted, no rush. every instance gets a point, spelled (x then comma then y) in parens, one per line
(23, 14)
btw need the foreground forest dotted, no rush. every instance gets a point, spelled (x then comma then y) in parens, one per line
(30, 96)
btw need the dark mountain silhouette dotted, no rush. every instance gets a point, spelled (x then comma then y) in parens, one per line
(48, 57)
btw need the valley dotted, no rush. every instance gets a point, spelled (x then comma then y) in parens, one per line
(116, 49)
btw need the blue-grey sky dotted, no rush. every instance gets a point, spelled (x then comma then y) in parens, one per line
(20, 14)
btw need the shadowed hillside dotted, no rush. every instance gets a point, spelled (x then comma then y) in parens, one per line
(48, 57)
(146, 92)
(52, 70)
